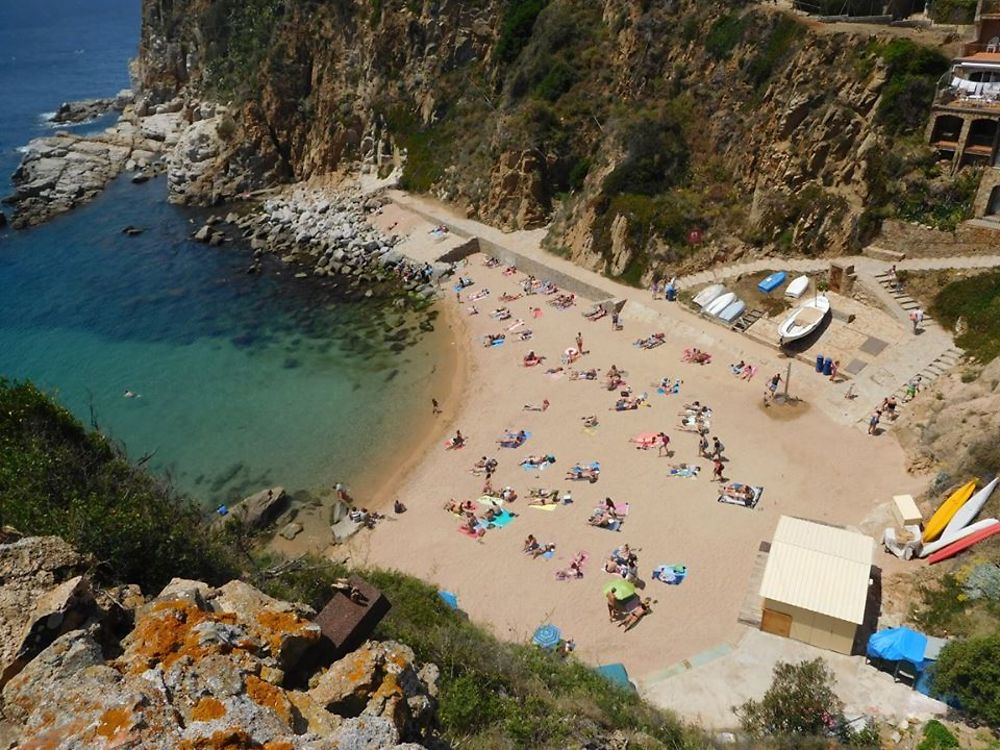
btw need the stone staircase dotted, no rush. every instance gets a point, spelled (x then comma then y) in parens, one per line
(905, 301)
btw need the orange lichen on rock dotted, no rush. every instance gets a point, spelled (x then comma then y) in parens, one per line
(208, 708)
(168, 635)
(267, 695)
(389, 687)
(279, 745)
(277, 626)
(224, 739)
(113, 721)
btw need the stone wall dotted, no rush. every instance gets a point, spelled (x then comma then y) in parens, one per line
(915, 241)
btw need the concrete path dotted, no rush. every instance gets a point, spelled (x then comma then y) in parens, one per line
(704, 688)
(929, 354)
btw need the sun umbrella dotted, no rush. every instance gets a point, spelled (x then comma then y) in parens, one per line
(622, 589)
(449, 598)
(547, 636)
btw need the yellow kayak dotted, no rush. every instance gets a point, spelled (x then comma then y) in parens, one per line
(951, 506)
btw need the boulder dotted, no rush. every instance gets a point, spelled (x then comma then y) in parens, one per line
(292, 530)
(203, 234)
(43, 595)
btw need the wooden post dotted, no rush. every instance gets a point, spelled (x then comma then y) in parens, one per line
(788, 376)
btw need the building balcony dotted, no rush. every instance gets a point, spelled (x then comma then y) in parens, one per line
(988, 9)
(979, 98)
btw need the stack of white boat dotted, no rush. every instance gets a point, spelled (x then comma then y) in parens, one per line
(719, 302)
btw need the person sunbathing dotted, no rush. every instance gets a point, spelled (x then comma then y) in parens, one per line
(531, 359)
(480, 466)
(590, 374)
(545, 497)
(684, 470)
(530, 544)
(590, 421)
(542, 549)
(701, 358)
(743, 493)
(554, 370)
(633, 617)
(491, 262)
(538, 460)
(524, 335)
(595, 315)
(457, 441)
(501, 313)
(513, 439)
(492, 339)
(533, 407)
(626, 404)
(601, 517)
(508, 495)
(584, 472)
(510, 270)
(738, 367)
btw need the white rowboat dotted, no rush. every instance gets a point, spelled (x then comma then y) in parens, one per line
(803, 320)
(719, 304)
(708, 294)
(797, 287)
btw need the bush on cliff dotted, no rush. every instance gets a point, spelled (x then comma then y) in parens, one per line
(909, 91)
(977, 301)
(57, 478)
(969, 670)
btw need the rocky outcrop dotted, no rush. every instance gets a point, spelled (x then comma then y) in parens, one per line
(261, 508)
(87, 109)
(953, 426)
(202, 667)
(60, 172)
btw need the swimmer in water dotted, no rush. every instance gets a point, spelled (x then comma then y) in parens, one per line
(129, 394)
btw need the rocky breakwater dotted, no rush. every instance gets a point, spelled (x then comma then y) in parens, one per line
(62, 171)
(330, 233)
(193, 667)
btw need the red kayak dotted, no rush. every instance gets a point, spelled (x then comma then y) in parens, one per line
(962, 544)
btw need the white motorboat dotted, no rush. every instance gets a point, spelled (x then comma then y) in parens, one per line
(803, 320)
(708, 294)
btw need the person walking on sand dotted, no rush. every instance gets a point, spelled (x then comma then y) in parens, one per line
(435, 406)
(873, 422)
(664, 448)
(717, 448)
(772, 388)
(717, 468)
(703, 445)
(833, 370)
(579, 343)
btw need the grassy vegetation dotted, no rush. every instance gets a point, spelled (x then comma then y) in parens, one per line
(724, 35)
(909, 91)
(976, 300)
(240, 33)
(515, 28)
(772, 51)
(58, 478)
(952, 11)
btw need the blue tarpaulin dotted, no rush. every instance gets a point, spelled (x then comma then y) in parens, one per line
(616, 673)
(898, 644)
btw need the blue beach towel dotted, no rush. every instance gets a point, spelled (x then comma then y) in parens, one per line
(673, 575)
(498, 342)
(549, 555)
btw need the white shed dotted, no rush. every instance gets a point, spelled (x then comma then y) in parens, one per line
(815, 584)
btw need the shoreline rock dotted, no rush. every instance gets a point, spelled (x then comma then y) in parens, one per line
(83, 111)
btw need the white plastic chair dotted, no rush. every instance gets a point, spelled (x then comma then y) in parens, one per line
(993, 45)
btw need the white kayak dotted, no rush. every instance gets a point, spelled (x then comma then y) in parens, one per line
(708, 294)
(803, 320)
(797, 287)
(931, 547)
(733, 310)
(719, 304)
(969, 510)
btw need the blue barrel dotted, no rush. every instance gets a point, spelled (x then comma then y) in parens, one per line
(827, 366)
(819, 363)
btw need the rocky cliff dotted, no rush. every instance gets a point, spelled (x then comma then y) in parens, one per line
(651, 135)
(192, 668)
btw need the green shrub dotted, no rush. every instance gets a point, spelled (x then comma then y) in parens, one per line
(515, 28)
(977, 300)
(239, 34)
(800, 702)
(58, 478)
(773, 51)
(937, 737)
(724, 35)
(952, 11)
(909, 91)
(656, 158)
(556, 82)
(469, 704)
(943, 206)
(969, 670)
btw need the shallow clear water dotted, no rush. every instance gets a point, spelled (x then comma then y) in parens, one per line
(243, 381)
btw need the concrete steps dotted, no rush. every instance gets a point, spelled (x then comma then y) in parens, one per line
(905, 301)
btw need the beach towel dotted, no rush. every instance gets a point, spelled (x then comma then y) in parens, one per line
(471, 534)
(514, 326)
(534, 467)
(548, 507)
(512, 437)
(690, 471)
(751, 503)
(611, 526)
(536, 312)
(498, 342)
(549, 555)
(673, 575)
(490, 500)
(645, 440)
(503, 519)
(590, 431)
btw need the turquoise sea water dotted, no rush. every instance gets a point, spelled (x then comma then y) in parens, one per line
(243, 381)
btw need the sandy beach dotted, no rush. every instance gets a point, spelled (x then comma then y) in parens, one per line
(809, 466)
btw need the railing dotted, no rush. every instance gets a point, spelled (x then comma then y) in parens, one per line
(953, 97)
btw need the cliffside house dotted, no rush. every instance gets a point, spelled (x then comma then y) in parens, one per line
(964, 126)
